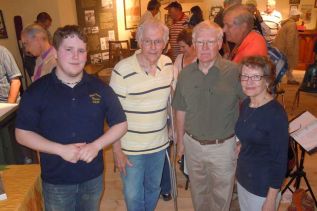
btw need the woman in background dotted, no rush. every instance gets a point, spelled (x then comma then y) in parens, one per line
(262, 129)
(197, 16)
(187, 55)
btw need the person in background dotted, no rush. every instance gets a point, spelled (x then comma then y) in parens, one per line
(227, 46)
(153, 9)
(206, 101)
(196, 17)
(62, 116)
(262, 130)
(226, 3)
(29, 61)
(188, 53)
(35, 41)
(287, 41)
(238, 25)
(272, 18)
(143, 85)
(44, 19)
(259, 24)
(187, 56)
(9, 93)
(9, 77)
(175, 11)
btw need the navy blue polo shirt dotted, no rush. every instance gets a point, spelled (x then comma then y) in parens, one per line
(69, 115)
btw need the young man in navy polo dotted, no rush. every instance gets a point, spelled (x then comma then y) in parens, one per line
(62, 116)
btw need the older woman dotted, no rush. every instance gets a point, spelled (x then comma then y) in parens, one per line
(188, 54)
(262, 129)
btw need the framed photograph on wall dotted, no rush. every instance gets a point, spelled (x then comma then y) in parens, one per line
(132, 13)
(3, 30)
(292, 7)
(294, 1)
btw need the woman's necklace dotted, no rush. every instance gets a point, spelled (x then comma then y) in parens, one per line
(254, 106)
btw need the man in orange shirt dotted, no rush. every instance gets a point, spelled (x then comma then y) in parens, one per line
(238, 25)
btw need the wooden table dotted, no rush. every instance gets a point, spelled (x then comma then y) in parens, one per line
(8, 144)
(7, 113)
(22, 184)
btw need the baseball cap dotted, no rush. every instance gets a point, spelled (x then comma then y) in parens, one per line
(174, 4)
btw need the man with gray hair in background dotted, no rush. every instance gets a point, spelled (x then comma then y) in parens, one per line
(226, 3)
(143, 84)
(238, 25)
(206, 101)
(272, 18)
(36, 42)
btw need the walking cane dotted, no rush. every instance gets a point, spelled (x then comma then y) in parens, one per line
(172, 160)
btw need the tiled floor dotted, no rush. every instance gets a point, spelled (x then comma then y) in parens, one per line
(113, 199)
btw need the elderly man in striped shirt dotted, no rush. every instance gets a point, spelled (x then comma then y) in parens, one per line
(142, 83)
(180, 21)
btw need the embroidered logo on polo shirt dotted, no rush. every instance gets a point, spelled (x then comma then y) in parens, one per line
(95, 98)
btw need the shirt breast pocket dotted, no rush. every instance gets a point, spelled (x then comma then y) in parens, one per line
(193, 95)
(225, 96)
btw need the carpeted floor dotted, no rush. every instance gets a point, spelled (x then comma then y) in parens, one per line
(113, 199)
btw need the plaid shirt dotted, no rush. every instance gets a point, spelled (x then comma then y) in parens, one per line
(8, 71)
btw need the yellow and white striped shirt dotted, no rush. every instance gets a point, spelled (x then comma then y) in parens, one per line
(144, 99)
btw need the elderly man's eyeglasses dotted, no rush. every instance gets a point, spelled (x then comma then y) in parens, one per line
(252, 77)
(148, 43)
(209, 43)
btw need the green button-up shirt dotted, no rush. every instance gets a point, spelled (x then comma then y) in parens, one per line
(211, 101)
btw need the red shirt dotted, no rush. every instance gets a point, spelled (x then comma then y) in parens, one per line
(253, 45)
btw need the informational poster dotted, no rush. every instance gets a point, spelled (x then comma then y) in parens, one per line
(90, 19)
(111, 35)
(98, 19)
(105, 56)
(107, 4)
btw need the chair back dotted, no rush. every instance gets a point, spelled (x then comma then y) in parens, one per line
(281, 65)
(118, 50)
(309, 83)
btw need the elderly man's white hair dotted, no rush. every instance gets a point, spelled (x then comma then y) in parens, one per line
(208, 26)
(271, 2)
(34, 29)
(152, 23)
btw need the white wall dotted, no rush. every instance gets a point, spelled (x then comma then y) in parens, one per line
(281, 5)
(62, 12)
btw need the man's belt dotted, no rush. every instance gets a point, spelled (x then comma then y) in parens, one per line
(209, 142)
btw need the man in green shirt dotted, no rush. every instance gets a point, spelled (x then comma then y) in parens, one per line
(207, 103)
